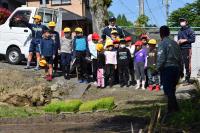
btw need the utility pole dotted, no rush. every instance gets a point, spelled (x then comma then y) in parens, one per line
(166, 3)
(141, 7)
(44, 3)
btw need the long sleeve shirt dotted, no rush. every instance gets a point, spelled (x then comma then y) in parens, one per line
(186, 33)
(111, 57)
(66, 45)
(47, 47)
(92, 49)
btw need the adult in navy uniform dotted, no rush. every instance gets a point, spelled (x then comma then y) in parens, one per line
(112, 26)
(186, 37)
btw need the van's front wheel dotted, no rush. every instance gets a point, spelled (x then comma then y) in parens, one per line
(13, 55)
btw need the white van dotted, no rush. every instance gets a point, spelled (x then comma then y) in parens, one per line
(15, 37)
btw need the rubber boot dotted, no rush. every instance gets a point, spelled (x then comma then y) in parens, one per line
(143, 85)
(150, 87)
(157, 87)
(49, 78)
(137, 85)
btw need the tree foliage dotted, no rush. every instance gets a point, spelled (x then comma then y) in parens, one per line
(141, 21)
(4, 14)
(191, 12)
(121, 20)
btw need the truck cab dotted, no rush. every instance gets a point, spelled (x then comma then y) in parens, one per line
(15, 37)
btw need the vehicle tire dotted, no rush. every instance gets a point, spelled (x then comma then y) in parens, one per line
(13, 55)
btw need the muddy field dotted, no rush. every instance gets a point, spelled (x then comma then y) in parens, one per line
(14, 80)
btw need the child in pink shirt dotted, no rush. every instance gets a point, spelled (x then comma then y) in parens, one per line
(111, 63)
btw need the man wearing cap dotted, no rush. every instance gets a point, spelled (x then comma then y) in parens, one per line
(37, 30)
(112, 26)
(186, 37)
(56, 38)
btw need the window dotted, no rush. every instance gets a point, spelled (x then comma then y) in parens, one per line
(41, 1)
(25, 15)
(60, 2)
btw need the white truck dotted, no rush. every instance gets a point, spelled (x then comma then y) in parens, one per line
(15, 38)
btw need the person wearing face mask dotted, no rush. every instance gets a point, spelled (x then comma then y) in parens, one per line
(81, 53)
(55, 36)
(112, 26)
(92, 48)
(66, 52)
(123, 59)
(186, 37)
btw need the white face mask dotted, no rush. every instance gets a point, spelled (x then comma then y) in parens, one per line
(183, 24)
(122, 46)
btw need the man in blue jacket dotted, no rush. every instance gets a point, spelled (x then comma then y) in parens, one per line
(112, 26)
(186, 37)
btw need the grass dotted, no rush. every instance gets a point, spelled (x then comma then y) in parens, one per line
(99, 104)
(76, 105)
(63, 106)
(188, 115)
(88, 106)
(12, 112)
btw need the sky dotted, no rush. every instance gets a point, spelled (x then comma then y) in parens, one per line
(156, 11)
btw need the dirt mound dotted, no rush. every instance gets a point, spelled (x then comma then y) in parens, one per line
(34, 96)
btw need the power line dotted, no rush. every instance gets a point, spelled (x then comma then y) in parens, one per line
(152, 13)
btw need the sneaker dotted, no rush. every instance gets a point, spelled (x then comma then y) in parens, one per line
(157, 87)
(85, 81)
(37, 68)
(98, 87)
(150, 87)
(27, 67)
(49, 78)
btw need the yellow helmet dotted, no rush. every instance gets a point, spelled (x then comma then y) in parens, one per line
(99, 47)
(114, 32)
(43, 62)
(109, 43)
(66, 29)
(152, 41)
(52, 24)
(37, 17)
(78, 29)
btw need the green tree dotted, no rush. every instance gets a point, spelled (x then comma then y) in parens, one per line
(141, 21)
(190, 12)
(122, 20)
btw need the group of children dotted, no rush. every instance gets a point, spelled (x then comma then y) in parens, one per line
(113, 60)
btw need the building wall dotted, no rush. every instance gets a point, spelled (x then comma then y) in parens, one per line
(76, 6)
(13, 4)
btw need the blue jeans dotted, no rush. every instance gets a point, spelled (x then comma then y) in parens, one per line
(169, 78)
(152, 79)
(65, 59)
